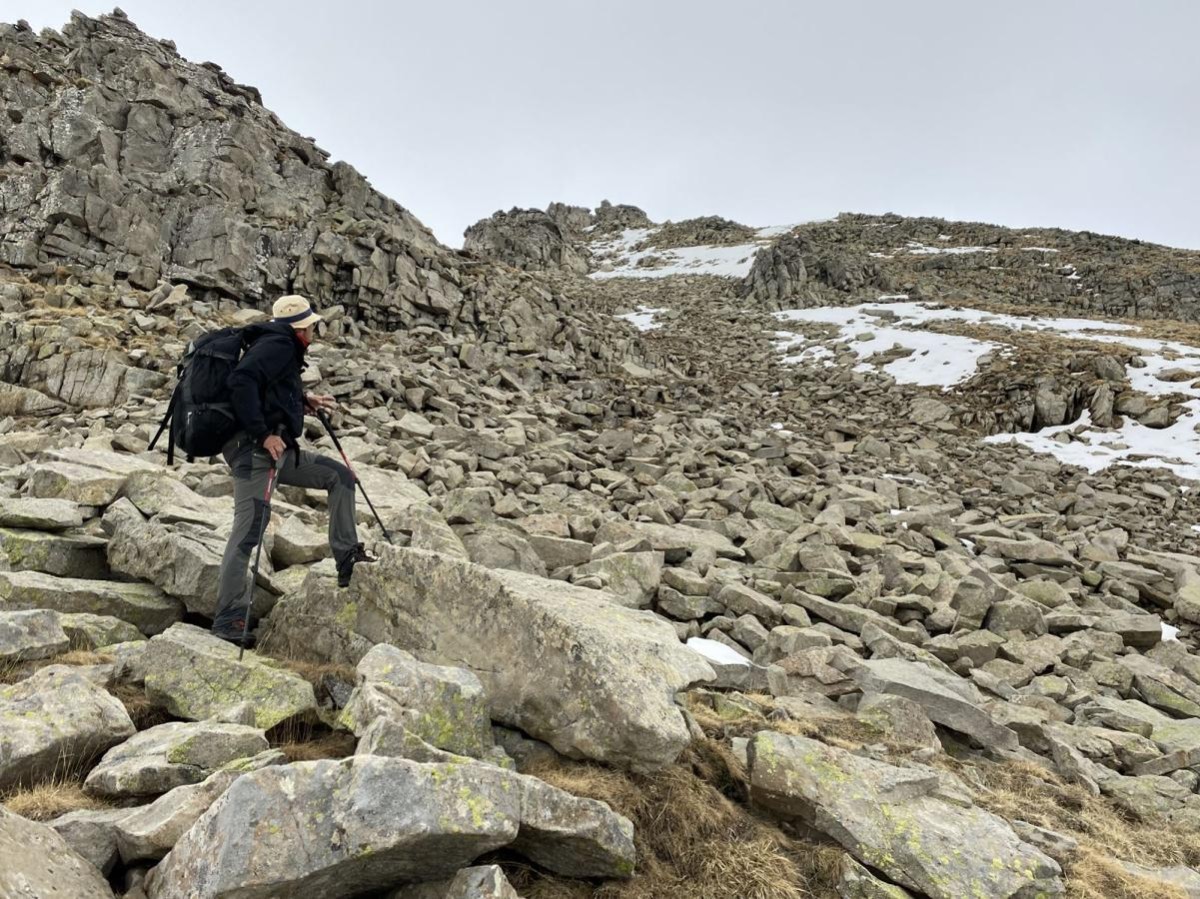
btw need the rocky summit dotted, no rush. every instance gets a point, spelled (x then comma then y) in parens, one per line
(850, 558)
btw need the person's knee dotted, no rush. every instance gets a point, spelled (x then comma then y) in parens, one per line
(258, 523)
(337, 475)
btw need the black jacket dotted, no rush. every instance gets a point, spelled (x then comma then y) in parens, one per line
(265, 388)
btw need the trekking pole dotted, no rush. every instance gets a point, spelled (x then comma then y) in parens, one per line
(329, 427)
(257, 555)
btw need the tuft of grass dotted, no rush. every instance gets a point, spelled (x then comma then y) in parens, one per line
(49, 799)
(142, 711)
(306, 738)
(58, 792)
(760, 712)
(12, 671)
(1093, 876)
(314, 671)
(694, 839)
(1024, 791)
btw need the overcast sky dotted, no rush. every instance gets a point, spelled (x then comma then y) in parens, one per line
(1082, 114)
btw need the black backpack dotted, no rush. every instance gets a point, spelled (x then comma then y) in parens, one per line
(200, 414)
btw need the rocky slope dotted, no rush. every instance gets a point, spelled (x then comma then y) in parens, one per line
(695, 524)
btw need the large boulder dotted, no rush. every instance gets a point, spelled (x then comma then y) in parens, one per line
(149, 832)
(171, 755)
(632, 578)
(85, 476)
(675, 541)
(36, 634)
(899, 821)
(39, 514)
(35, 862)
(445, 707)
(383, 822)
(592, 679)
(196, 675)
(55, 719)
(183, 562)
(142, 605)
(947, 699)
(65, 555)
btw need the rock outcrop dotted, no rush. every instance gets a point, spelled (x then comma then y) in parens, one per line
(563, 663)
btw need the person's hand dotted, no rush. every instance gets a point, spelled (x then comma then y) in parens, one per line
(274, 446)
(316, 402)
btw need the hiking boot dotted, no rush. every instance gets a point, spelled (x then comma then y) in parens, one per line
(345, 566)
(234, 633)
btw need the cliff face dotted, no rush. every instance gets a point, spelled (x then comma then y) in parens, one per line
(118, 155)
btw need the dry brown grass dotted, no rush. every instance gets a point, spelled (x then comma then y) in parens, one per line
(58, 792)
(48, 800)
(1015, 791)
(305, 738)
(314, 671)
(142, 711)
(695, 839)
(333, 745)
(761, 713)
(12, 672)
(1024, 791)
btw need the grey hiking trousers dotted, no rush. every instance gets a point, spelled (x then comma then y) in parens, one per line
(250, 465)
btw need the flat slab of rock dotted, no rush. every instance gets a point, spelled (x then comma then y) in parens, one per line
(36, 862)
(383, 821)
(195, 675)
(142, 605)
(946, 698)
(88, 631)
(896, 821)
(56, 717)
(87, 477)
(39, 514)
(64, 555)
(592, 679)
(170, 755)
(33, 634)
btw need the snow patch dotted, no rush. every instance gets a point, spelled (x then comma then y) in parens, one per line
(936, 360)
(945, 360)
(916, 248)
(716, 652)
(724, 262)
(643, 319)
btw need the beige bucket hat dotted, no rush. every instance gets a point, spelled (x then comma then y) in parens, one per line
(295, 310)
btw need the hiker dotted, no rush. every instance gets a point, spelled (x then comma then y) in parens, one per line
(269, 404)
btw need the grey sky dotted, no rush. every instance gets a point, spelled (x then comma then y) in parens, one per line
(1082, 114)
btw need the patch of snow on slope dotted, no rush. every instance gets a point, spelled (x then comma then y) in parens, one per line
(619, 252)
(937, 360)
(643, 319)
(716, 652)
(724, 262)
(916, 248)
(940, 360)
